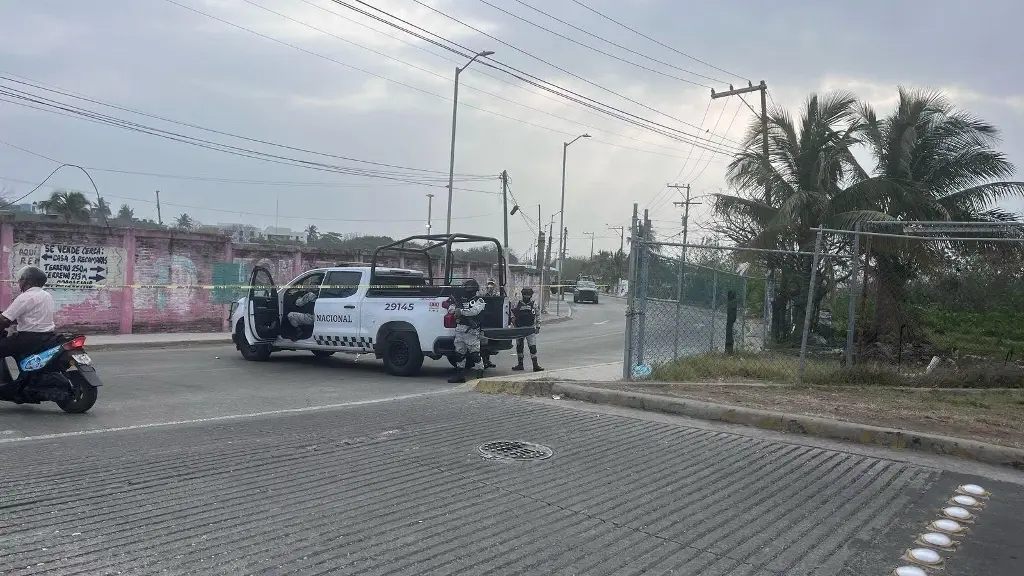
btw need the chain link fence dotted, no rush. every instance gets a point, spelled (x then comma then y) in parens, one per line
(919, 304)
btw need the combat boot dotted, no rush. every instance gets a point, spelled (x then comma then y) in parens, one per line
(536, 366)
(459, 378)
(519, 366)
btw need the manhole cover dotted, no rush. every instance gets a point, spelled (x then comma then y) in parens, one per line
(506, 450)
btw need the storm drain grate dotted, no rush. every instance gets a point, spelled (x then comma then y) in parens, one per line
(515, 450)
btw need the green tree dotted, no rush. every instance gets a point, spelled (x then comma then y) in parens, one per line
(101, 210)
(312, 234)
(933, 162)
(72, 206)
(125, 214)
(184, 222)
(808, 177)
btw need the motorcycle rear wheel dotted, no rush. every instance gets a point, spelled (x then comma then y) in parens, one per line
(83, 398)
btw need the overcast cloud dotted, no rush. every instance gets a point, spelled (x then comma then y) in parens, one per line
(160, 58)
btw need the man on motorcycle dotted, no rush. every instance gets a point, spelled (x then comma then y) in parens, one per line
(32, 311)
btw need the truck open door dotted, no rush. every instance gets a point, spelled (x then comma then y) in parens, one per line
(264, 314)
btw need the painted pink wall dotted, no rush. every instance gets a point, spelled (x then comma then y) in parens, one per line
(167, 275)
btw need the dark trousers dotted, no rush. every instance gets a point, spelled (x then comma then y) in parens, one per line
(23, 344)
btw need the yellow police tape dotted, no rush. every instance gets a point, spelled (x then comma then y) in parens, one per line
(266, 286)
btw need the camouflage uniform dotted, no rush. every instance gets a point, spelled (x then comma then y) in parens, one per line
(467, 330)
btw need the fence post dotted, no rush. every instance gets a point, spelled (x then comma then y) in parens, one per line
(714, 303)
(808, 308)
(679, 303)
(642, 288)
(851, 322)
(627, 357)
(743, 319)
(766, 313)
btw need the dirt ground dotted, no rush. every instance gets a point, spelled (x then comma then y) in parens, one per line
(988, 416)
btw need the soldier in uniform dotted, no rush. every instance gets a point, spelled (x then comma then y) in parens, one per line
(466, 308)
(524, 313)
(490, 289)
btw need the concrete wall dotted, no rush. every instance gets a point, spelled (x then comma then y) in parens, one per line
(117, 280)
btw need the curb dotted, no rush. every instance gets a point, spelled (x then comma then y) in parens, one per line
(777, 421)
(155, 344)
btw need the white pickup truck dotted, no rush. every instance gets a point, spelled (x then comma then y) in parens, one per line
(399, 315)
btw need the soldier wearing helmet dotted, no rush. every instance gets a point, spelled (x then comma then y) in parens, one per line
(467, 329)
(490, 290)
(525, 313)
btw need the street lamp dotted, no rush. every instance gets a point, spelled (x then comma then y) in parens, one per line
(455, 111)
(561, 224)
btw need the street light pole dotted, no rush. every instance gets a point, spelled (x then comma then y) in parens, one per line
(561, 224)
(430, 209)
(455, 113)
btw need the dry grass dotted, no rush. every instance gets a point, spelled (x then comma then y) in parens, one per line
(781, 368)
(984, 415)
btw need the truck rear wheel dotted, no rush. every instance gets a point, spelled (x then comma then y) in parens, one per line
(402, 354)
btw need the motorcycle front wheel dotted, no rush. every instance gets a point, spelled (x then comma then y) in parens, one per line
(83, 397)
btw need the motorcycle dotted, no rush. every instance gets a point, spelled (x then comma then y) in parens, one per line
(62, 373)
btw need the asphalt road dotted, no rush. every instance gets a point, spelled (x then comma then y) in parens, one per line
(147, 386)
(399, 487)
(194, 464)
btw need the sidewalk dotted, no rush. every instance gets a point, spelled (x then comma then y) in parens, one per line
(163, 340)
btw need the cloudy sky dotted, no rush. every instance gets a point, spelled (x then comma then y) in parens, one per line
(324, 83)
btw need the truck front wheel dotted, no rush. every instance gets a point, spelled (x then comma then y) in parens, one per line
(402, 354)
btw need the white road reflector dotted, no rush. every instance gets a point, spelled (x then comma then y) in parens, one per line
(925, 556)
(909, 571)
(956, 513)
(946, 526)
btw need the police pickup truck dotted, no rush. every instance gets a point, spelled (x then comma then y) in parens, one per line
(399, 315)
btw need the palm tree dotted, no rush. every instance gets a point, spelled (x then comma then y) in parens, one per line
(312, 234)
(810, 165)
(184, 222)
(933, 162)
(72, 206)
(125, 214)
(101, 210)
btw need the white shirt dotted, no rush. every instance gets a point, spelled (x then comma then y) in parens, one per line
(33, 310)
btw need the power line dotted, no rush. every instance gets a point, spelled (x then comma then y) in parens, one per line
(599, 51)
(226, 210)
(61, 108)
(220, 180)
(309, 52)
(659, 43)
(731, 122)
(466, 84)
(500, 66)
(39, 86)
(666, 189)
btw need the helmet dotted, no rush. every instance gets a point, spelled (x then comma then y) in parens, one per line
(470, 287)
(527, 293)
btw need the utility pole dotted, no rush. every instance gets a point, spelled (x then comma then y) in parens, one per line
(591, 234)
(682, 260)
(622, 245)
(540, 253)
(430, 209)
(159, 219)
(763, 88)
(504, 201)
(545, 291)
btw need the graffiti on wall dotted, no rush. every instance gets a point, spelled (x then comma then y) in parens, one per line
(72, 266)
(181, 274)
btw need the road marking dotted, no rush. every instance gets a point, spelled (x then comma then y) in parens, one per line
(600, 323)
(226, 418)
